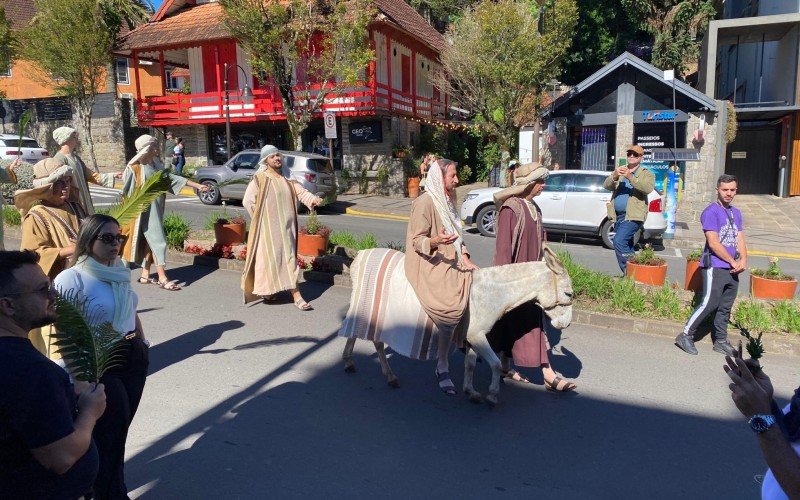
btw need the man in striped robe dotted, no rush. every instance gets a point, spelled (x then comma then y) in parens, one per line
(271, 200)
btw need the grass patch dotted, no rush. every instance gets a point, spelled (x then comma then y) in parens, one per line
(787, 316)
(177, 230)
(356, 242)
(11, 216)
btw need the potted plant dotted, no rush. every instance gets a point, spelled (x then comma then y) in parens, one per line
(412, 178)
(771, 283)
(312, 237)
(230, 230)
(646, 268)
(693, 280)
(400, 152)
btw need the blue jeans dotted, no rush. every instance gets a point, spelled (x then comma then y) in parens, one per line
(181, 161)
(623, 239)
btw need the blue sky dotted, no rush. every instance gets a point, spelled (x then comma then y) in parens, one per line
(156, 3)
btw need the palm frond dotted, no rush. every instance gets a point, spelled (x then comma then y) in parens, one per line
(24, 121)
(88, 351)
(131, 206)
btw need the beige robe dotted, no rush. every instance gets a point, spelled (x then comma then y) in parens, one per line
(82, 175)
(438, 279)
(271, 264)
(46, 230)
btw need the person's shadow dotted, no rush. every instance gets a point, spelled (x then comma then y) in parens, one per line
(187, 345)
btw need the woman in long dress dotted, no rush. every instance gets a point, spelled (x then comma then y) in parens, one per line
(520, 333)
(147, 239)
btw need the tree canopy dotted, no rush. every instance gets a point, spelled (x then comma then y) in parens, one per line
(309, 50)
(8, 42)
(501, 56)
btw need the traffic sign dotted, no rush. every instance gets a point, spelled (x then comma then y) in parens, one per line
(330, 125)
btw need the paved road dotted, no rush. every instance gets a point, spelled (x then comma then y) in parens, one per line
(252, 402)
(586, 251)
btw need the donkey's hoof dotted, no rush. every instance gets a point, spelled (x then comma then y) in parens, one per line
(394, 383)
(475, 397)
(492, 399)
(350, 367)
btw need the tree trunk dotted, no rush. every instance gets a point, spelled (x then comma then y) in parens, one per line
(537, 132)
(84, 108)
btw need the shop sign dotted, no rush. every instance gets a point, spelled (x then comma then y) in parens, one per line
(366, 132)
(659, 116)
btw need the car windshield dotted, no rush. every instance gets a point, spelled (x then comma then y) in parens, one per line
(15, 143)
(319, 165)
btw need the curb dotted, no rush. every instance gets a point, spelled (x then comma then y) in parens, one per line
(376, 215)
(187, 191)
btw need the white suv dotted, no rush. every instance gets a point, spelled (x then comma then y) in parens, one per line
(29, 152)
(572, 202)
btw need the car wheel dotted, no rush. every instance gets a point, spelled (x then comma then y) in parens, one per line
(486, 220)
(607, 234)
(212, 196)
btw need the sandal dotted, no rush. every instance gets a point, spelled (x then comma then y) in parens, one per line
(515, 376)
(443, 377)
(303, 305)
(171, 286)
(556, 386)
(146, 281)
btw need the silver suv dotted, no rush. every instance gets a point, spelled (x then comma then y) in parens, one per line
(314, 172)
(28, 148)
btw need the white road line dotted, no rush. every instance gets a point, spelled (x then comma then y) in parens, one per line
(677, 252)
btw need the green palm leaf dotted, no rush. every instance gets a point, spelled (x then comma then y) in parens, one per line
(24, 121)
(89, 348)
(131, 206)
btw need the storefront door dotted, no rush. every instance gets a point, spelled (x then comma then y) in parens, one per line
(753, 159)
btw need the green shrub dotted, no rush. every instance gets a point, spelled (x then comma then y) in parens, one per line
(787, 316)
(754, 316)
(667, 304)
(11, 216)
(626, 298)
(24, 175)
(177, 230)
(362, 181)
(349, 240)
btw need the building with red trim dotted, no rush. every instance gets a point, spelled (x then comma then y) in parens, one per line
(190, 35)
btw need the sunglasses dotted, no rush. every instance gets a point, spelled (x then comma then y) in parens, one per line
(48, 289)
(109, 239)
(634, 154)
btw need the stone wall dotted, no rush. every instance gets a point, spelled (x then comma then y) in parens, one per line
(374, 156)
(195, 143)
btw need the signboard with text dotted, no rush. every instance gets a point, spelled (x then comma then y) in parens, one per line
(367, 132)
(330, 125)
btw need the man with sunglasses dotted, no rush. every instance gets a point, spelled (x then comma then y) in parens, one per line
(628, 207)
(46, 446)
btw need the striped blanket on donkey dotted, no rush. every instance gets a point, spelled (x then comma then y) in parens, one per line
(384, 307)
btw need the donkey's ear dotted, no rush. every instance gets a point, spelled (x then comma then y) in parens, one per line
(552, 261)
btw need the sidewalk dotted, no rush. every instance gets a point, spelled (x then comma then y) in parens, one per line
(772, 224)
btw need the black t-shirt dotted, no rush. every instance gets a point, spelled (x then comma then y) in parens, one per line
(37, 408)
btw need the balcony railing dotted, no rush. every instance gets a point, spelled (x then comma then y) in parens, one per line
(209, 107)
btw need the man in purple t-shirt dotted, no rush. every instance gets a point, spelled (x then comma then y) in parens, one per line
(724, 257)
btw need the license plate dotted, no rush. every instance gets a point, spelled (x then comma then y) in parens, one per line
(326, 182)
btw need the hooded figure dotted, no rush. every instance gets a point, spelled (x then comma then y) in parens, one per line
(67, 140)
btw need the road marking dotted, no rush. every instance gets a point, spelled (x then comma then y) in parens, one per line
(677, 252)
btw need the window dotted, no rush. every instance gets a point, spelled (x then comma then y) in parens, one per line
(246, 161)
(557, 182)
(5, 72)
(122, 71)
(587, 183)
(173, 83)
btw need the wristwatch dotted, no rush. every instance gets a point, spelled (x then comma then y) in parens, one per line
(760, 423)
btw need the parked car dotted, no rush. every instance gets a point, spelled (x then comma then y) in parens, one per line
(30, 150)
(572, 202)
(314, 172)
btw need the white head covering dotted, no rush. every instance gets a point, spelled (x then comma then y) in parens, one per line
(62, 134)
(143, 145)
(267, 151)
(444, 205)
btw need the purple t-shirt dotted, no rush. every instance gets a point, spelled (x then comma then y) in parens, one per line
(718, 219)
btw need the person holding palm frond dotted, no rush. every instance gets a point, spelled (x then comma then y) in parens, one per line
(50, 222)
(147, 241)
(100, 279)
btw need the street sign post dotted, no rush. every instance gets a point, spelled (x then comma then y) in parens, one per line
(330, 131)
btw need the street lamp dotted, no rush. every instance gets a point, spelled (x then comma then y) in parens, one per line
(247, 96)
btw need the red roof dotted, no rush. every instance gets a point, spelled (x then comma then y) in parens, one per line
(19, 12)
(204, 22)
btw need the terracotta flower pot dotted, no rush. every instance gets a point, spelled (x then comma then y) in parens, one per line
(764, 288)
(694, 278)
(230, 234)
(647, 275)
(311, 245)
(413, 187)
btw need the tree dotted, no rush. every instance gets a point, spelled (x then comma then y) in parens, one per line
(499, 61)
(8, 42)
(324, 39)
(70, 43)
(675, 26)
(439, 13)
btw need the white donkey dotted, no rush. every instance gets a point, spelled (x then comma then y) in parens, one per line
(385, 310)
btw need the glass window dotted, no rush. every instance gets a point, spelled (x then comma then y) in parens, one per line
(557, 182)
(246, 161)
(15, 143)
(587, 183)
(122, 71)
(6, 72)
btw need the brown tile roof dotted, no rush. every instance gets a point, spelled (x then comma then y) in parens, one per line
(193, 24)
(19, 12)
(409, 20)
(206, 22)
